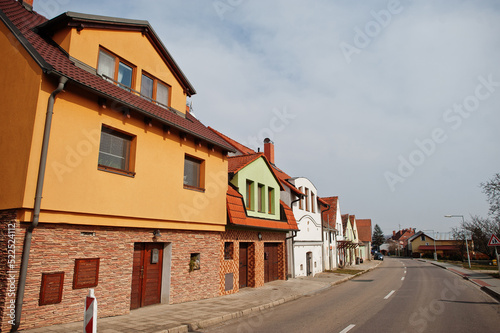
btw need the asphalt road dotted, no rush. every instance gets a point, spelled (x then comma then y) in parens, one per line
(401, 295)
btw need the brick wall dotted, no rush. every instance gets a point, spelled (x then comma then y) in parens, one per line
(56, 246)
(255, 257)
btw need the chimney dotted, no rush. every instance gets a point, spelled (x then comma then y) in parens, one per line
(269, 150)
(28, 4)
(393, 233)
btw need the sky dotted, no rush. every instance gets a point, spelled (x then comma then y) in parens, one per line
(394, 106)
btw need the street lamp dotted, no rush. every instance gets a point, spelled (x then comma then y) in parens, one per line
(466, 244)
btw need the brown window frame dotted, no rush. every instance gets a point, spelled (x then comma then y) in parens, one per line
(129, 156)
(201, 173)
(155, 89)
(313, 202)
(261, 198)
(270, 200)
(249, 194)
(119, 60)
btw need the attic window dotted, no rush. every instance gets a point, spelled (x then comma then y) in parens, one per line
(154, 90)
(115, 69)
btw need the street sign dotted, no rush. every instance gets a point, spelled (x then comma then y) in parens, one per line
(494, 241)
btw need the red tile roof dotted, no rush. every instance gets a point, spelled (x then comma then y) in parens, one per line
(352, 219)
(236, 163)
(345, 219)
(364, 229)
(438, 247)
(280, 174)
(331, 213)
(238, 146)
(237, 215)
(53, 60)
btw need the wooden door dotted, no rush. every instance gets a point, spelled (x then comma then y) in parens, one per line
(271, 271)
(243, 265)
(146, 274)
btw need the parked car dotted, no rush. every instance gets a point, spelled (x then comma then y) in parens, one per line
(378, 256)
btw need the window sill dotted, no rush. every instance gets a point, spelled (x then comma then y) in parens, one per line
(194, 188)
(116, 171)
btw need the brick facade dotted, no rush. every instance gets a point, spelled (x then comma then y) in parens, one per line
(255, 257)
(56, 246)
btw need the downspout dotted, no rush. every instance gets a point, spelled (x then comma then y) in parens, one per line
(293, 238)
(323, 237)
(36, 209)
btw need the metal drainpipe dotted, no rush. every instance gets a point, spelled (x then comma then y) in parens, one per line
(36, 209)
(293, 239)
(323, 237)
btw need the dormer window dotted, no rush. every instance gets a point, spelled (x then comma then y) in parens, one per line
(155, 90)
(115, 69)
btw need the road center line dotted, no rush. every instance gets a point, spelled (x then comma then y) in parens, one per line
(348, 328)
(389, 294)
(405, 272)
(402, 278)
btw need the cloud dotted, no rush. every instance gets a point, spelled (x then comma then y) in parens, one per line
(353, 119)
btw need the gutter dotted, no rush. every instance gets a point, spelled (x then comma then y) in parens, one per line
(292, 237)
(38, 200)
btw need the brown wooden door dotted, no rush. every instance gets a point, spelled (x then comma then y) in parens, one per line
(271, 259)
(146, 274)
(243, 265)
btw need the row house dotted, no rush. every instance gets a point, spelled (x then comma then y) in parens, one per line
(365, 237)
(308, 244)
(333, 233)
(111, 182)
(258, 221)
(349, 246)
(108, 181)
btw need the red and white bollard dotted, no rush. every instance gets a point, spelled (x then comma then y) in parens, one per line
(90, 315)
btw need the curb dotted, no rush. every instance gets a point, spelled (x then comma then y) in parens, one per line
(487, 290)
(190, 327)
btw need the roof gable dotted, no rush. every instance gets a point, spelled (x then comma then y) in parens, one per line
(330, 215)
(54, 61)
(364, 229)
(240, 162)
(237, 215)
(82, 21)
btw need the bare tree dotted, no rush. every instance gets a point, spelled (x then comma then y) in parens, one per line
(492, 190)
(480, 229)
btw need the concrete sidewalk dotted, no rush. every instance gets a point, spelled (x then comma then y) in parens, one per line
(486, 282)
(183, 317)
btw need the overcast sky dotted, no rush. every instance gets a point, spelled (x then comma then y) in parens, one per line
(394, 106)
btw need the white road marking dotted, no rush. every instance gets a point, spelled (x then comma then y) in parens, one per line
(348, 328)
(405, 272)
(402, 278)
(389, 294)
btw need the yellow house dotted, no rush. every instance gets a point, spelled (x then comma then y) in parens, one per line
(106, 177)
(442, 244)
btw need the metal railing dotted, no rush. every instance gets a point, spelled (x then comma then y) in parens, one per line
(138, 93)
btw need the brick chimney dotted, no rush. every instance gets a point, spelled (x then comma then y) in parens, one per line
(269, 150)
(28, 4)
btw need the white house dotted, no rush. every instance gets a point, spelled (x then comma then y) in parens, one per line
(332, 233)
(308, 244)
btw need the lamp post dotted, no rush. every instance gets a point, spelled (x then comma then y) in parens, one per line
(466, 244)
